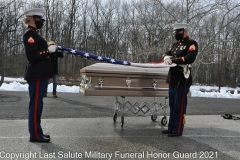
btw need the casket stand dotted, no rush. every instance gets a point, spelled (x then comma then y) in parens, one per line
(105, 79)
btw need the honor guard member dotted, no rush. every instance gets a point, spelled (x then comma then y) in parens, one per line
(54, 62)
(183, 53)
(38, 71)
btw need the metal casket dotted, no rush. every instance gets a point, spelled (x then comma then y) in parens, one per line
(105, 79)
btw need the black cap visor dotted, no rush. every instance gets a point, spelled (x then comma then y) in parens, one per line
(178, 30)
(40, 17)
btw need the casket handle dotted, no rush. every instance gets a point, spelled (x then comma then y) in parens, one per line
(100, 81)
(154, 83)
(130, 88)
(128, 82)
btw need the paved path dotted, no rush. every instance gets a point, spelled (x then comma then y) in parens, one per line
(83, 128)
(205, 137)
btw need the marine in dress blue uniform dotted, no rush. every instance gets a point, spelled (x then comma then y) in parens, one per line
(37, 73)
(183, 53)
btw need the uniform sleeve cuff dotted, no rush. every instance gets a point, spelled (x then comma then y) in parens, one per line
(43, 52)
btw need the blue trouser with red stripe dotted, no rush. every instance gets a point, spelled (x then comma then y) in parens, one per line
(178, 105)
(36, 91)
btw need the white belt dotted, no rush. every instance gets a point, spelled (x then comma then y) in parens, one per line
(184, 65)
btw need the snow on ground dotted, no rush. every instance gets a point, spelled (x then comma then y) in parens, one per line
(196, 91)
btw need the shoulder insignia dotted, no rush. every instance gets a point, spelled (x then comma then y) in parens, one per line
(192, 48)
(30, 40)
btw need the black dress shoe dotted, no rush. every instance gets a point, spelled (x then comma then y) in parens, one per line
(41, 140)
(166, 131)
(46, 135)
(174, 135)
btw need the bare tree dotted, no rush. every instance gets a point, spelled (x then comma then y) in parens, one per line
(139, 31)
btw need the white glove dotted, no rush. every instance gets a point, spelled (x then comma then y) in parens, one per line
(167, 60)
(52, 48)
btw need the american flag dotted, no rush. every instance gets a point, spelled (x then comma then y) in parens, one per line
(112, 60)
(93, 56)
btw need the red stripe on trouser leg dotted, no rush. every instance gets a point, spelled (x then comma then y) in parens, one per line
(35, 114)
(181, 115)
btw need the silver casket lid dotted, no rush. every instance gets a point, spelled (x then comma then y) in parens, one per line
(123, 69)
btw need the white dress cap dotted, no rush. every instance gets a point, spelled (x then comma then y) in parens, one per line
(177, 26)
(35, 12)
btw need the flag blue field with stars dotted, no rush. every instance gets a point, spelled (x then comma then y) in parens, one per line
(93, 56)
